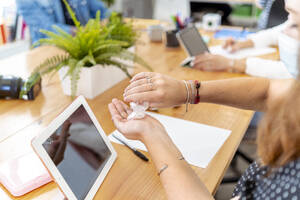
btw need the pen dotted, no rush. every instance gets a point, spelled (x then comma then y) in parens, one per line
(136, 152)
(242, 33)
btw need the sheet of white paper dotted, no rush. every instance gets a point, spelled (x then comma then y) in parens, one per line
(250, 52)
(197, 142)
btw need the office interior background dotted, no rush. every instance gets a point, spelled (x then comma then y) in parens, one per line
(242, 13)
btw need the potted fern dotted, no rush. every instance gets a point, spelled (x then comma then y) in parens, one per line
(96, 58)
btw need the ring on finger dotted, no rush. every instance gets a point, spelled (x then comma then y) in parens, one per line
(151, 86)
(149, 80)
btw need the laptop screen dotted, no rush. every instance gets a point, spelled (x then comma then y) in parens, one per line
(78, 151)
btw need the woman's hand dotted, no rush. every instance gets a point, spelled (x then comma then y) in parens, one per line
(211, 62)
(134, 129)
(233, 45)
(157, 89)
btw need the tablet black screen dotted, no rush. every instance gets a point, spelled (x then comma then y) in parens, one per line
(78, 151)
(193, 41)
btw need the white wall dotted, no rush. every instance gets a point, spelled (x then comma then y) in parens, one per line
(163, 9)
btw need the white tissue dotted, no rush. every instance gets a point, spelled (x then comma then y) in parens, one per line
(139, 111)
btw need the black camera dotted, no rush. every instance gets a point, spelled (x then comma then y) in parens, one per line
(11, 86)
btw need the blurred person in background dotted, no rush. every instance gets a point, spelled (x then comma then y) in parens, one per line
(284, 36)
(43, 14)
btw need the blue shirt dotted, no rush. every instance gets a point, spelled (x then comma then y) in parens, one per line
(43, 14)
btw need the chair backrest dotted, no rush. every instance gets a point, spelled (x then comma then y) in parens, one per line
(278, 14)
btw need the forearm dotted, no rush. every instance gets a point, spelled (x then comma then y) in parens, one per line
(179, 179)
(245, 93)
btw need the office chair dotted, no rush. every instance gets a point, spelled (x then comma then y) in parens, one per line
(233, 165)
(278, 14)
(249, 137)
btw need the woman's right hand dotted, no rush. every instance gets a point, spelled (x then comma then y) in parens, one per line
(233, 45)
(157, 89)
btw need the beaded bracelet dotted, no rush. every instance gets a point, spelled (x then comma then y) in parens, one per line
(198, 85)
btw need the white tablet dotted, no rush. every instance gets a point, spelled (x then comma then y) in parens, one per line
(76, 151)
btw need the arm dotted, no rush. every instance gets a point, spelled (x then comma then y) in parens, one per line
(37, 18)
(267, 37)
(95, 6)
(245, 93)
(260, 39)
(256, 67)
(179, 179)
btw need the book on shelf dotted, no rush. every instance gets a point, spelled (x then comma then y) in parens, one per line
(3, 33)
(14, 32)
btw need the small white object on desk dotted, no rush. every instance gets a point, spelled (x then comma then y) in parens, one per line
(244, 53)
(211, 21)
(155, 33)
(198, 143)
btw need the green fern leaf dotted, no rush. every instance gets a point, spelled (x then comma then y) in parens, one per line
(72, 14)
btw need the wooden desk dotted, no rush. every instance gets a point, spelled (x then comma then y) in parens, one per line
(129, 178)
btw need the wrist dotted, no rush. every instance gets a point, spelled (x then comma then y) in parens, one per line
(183, 93)
(237, 66)
(153, 136)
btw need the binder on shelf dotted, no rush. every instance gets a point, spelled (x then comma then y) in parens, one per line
(20, 29)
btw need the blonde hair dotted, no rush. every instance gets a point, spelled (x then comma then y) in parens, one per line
(279, 132)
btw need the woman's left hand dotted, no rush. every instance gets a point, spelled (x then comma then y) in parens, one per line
(211, 62)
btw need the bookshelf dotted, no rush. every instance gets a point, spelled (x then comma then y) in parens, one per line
(13, 48)
(14, 34)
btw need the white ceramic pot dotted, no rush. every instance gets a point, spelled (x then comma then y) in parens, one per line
(94, 80)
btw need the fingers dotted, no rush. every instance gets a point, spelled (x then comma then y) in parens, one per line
(137, 83)
(142, 75)
(113, 110)
(203, 58)
(120, 108)
(204, 66)
(228, 43)
(128, 110)
(140, 89)
(142, 97)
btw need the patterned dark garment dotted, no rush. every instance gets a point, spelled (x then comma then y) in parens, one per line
(281, 184)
